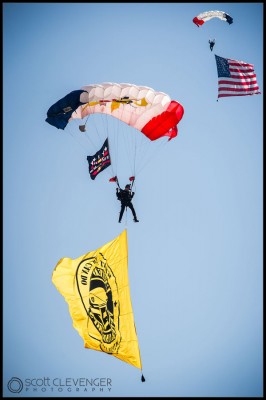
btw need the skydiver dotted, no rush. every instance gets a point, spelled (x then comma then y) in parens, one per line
(212, 43)
(125, 196)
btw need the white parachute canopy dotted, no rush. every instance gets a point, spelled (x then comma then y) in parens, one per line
(207, 15)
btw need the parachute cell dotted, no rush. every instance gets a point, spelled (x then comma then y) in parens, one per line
(208, 15)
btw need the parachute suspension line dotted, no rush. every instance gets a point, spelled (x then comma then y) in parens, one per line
(140, 151)
(132, 185)
(125, 138)
(89, 137)
(145, 145)
(70, 133)
(134, 159)
(87, 120)
(111, 159)
(82, 128)
(115, 140)
(129, 141)
(112, 144)
(154, 148)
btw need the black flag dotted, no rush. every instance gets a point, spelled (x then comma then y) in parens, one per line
(99, 161)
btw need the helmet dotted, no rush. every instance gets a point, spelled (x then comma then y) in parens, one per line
(127, 186)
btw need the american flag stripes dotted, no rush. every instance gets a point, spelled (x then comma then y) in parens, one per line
(235, 78)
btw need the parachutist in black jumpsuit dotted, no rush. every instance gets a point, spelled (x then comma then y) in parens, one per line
(125, 196)
(212, 43)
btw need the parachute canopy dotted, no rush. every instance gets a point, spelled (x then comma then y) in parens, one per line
(136, 120)
(207, 15)
(151, 112)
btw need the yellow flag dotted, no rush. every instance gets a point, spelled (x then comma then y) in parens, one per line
(96, 288)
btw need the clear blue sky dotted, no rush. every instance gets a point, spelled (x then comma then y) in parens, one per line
(195, 257)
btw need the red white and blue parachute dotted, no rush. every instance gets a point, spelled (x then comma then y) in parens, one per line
(151, 112)
(142, 115)
(200, 19)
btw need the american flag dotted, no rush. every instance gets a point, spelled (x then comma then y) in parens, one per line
(235, 78)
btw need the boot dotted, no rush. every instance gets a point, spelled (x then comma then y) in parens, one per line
(135, 220)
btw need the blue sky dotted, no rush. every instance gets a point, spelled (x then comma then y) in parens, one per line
(195, 257)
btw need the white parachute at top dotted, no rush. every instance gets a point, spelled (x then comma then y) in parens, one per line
(207, 15)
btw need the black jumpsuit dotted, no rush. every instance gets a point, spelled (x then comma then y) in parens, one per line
(125, 196)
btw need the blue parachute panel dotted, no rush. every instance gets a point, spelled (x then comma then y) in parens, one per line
(59, 113)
